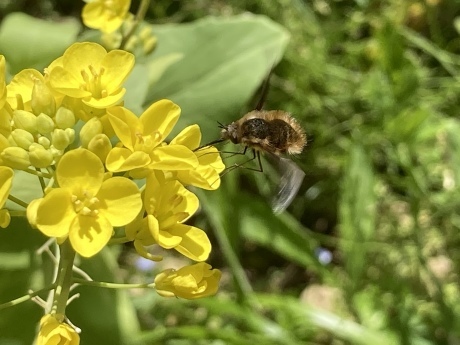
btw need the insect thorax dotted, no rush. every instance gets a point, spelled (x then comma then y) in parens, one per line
(273, 136)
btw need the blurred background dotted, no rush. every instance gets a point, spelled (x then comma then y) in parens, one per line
(368, 252)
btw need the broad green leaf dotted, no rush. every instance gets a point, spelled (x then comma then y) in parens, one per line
(336, 325)
(357, 212)
(136, 89)
(28, 42)
(224, 60)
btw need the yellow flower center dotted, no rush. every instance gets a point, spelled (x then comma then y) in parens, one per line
(93, 82)
(147, 143)
(170, 217)
(86, 205)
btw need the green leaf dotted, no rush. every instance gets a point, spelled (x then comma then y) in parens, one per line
(224, 60)
(337, 326)
(357, 212)
(28, 42)
(405, 125)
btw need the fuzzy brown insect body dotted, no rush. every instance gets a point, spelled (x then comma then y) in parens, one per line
(273, 131)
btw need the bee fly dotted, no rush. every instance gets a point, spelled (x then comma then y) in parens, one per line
(276, 133)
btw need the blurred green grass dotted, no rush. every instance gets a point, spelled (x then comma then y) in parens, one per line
(376, 85)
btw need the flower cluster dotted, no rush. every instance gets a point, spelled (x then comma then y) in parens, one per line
(118, 26)
(91, 187)
(102, 167)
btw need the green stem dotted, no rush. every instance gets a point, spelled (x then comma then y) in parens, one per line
(113, 285)
(141, 11)
(25, 297)
(64, 278)
(41, 180)
(119, 240)
(18, 201)
(39, 173)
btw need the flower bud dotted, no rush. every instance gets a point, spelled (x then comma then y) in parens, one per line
(22, 138)
(42, 99)
(15, 157)
(25, 120)
(89, 130)
(100, 145)
(190, 282)
(5, 218)
(54, 331)
(70, 134)
(65, 118)
(39, 156)
(60, 139)
(149, 45)
(131, 44)
(45, 142)
(45, 124)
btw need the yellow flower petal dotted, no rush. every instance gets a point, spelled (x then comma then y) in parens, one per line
(80, 55)
(32, 212)
(66, 83)
(173, 157)
(160, 117)
(189, 137)
(81, 171)
(88, 234)
(190, 282)
(105, 102)
(117, 64)
(122, 159)
(6, 180)
(106, 16)
(54, 332)
(55, 213)
(195, 243)
(121, 199)
(125, 124)
(22, 84)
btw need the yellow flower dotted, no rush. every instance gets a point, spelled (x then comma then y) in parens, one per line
(87, 72)
(6, 180)
(53, 332)
(105, 15)
(210, 165)
(190, 282)
(19, 90)
(168, 204)
(86, 207)
(142, 140)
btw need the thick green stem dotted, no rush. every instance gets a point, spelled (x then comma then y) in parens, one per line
(142, 10)
(64, 278)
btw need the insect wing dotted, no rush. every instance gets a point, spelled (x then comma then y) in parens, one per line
(290, 181)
